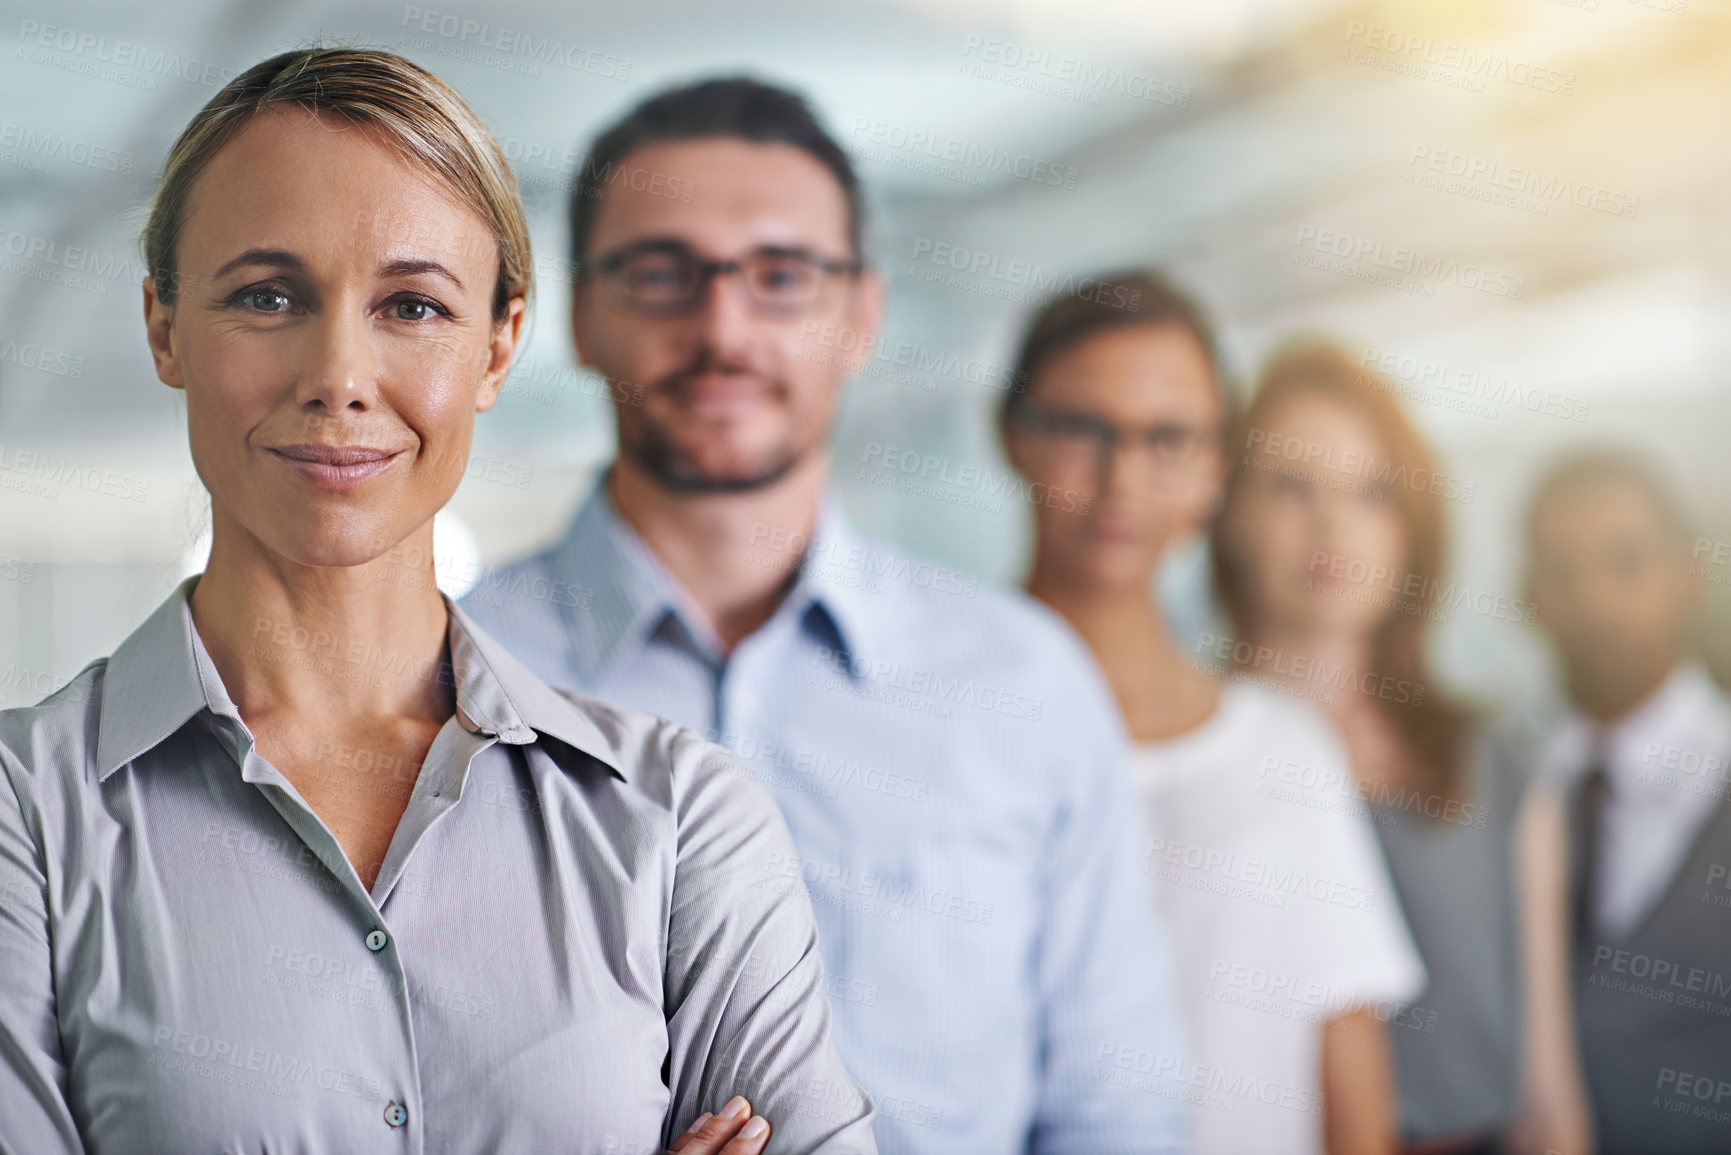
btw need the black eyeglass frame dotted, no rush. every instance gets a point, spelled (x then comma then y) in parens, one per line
(706, 270)
(1105, 436)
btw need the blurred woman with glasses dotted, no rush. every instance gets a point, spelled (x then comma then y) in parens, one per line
(311, 863)
(1289, 942)
(1330, 561)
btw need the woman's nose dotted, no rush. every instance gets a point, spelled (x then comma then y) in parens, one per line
(342, 366)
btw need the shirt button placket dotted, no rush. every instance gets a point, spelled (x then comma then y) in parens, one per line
(737, 700)
(395, 1110)
(396, 1113)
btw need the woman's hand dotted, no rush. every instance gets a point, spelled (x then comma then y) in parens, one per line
(736, 1131)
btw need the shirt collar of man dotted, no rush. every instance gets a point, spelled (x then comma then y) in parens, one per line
(1685, 717)
(1687, 713)
(162, 675)
(632, 594)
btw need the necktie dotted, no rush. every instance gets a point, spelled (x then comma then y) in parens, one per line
(1589, 834)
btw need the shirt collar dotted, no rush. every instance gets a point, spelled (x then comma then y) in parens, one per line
(151, 685)
(632, 592)
(843, 585)
(836, 594)
(1687, 716)
(500, 695)
(162, 675)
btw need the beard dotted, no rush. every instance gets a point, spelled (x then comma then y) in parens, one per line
(676, 468)
(653, 446)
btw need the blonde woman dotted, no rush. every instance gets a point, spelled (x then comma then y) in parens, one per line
(310, 863)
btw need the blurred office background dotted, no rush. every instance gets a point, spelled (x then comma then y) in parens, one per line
(1520, 209)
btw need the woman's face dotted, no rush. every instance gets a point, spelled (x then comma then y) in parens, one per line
(334, 335)
(1121, 450)
(1319, 542)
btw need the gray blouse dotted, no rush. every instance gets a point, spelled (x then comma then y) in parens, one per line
(582, 934)
(1458, 1049)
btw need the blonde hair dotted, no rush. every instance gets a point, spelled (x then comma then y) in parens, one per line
(416, 112)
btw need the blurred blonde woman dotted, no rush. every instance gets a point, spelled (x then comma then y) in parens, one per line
(1287, 935)
(1329, 560)
(310, 863)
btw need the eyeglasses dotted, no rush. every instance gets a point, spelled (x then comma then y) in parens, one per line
(669, 279)
(1072, 432)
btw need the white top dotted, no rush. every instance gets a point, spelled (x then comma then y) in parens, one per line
(1665, 765)
(1280, 907)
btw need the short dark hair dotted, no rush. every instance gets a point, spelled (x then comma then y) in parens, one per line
(732, 106)
(1141, 297)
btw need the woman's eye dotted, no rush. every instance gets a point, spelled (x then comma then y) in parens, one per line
(265, 300)
(1168, 441)
(415, 309)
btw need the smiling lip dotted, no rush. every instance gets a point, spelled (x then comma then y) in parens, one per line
(1116, 532)
(335, 467)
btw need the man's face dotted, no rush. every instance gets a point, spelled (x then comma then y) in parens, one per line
(724, 397)
(1610, 583)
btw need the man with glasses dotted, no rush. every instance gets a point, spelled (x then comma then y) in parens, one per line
(946, 755)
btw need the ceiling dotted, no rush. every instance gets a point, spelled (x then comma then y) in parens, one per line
(1528, 197)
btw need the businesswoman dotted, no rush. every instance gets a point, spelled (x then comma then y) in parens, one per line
(310, 863)
(1330, 553)
(1290, 949)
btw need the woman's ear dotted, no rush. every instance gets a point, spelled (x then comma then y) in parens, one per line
(501, 348)
(1011, 437)
(159, 331)
(1010, 440)
(1222, 536)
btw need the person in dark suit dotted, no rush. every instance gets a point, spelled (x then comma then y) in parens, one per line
(1643, 742)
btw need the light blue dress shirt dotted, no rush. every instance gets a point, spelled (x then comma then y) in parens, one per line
(953, 771)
